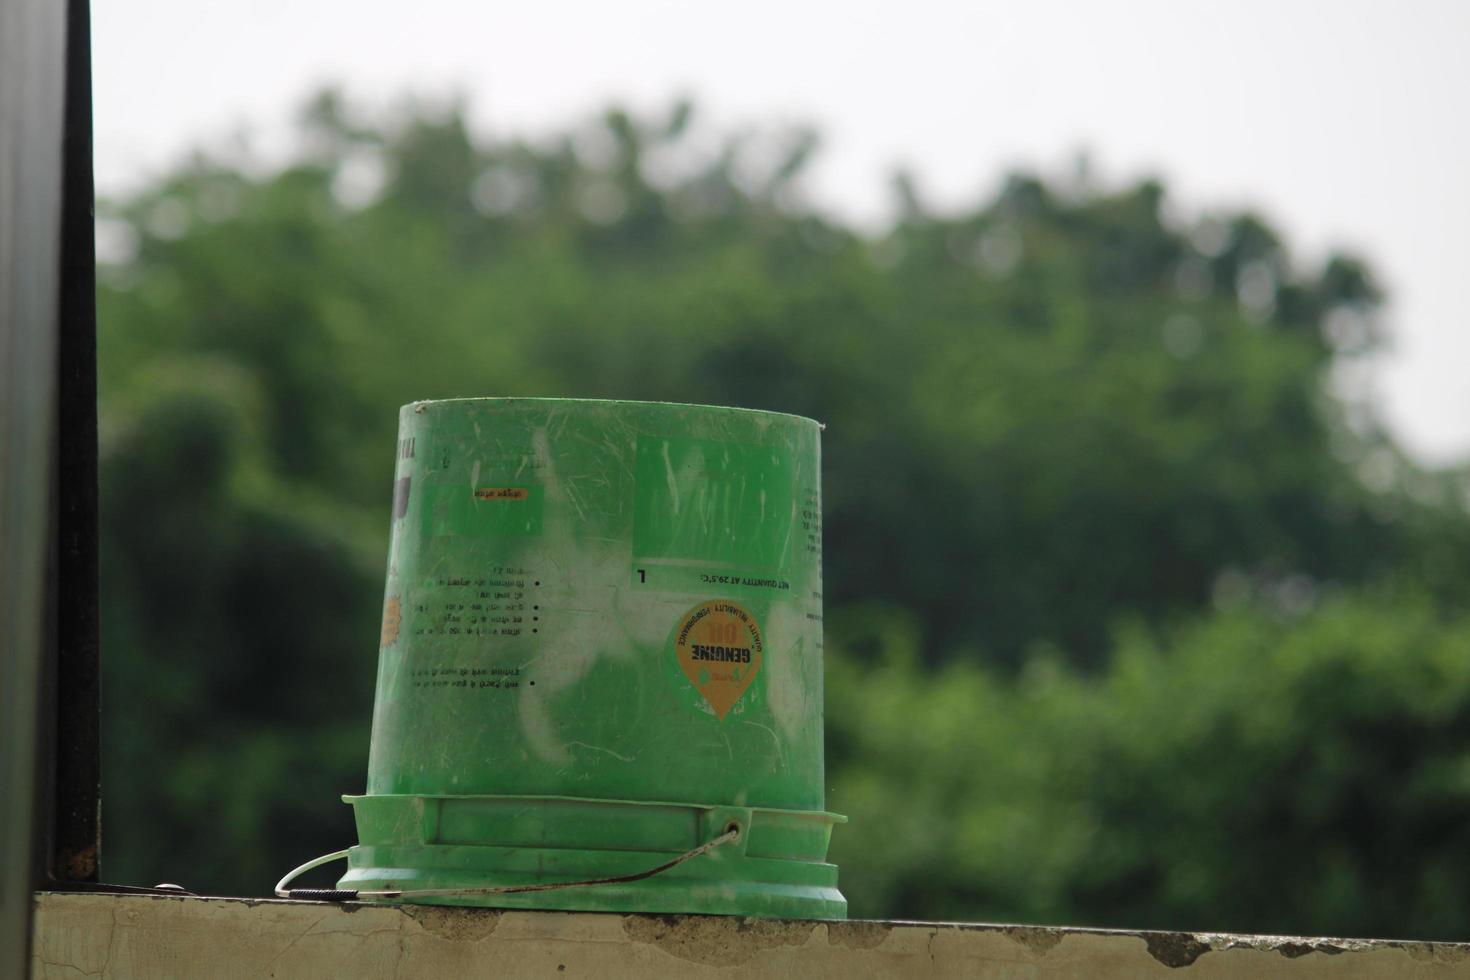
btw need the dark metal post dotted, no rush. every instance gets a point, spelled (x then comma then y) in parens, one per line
(76, 770)
(32, 100)
(48, 464)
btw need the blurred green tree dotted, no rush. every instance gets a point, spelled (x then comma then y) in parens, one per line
(1243, 774)
(1054, 412)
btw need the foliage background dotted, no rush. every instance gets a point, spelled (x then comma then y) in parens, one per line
(1134, 620)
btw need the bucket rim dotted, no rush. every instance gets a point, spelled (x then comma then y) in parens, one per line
(826, 816)
(421, 405)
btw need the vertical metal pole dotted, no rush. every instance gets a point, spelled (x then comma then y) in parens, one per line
(48, 463)
(76, 770)
(32, 98)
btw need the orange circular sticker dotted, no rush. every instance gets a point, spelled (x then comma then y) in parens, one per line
(719, 646)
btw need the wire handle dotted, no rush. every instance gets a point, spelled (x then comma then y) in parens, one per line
(352, 894)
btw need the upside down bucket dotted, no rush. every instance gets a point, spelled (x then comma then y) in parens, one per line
(601, 651)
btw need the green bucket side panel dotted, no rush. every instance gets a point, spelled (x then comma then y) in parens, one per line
(615, 601)
(547, 551)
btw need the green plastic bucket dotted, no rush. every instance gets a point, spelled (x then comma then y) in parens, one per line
(601, 648)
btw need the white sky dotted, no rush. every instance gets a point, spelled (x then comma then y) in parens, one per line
(1346, 121)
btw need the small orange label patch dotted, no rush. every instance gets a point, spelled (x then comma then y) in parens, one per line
(719, 648)
(392, 619)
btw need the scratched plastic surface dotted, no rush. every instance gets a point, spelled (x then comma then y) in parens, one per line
(613, 602)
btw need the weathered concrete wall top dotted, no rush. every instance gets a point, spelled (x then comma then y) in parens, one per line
(110, 936)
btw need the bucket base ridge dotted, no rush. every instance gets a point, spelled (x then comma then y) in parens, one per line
(776, 867)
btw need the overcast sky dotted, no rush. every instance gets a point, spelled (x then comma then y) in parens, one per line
(1346, 121)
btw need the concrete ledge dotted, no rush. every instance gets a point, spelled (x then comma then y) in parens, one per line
(90, 935)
